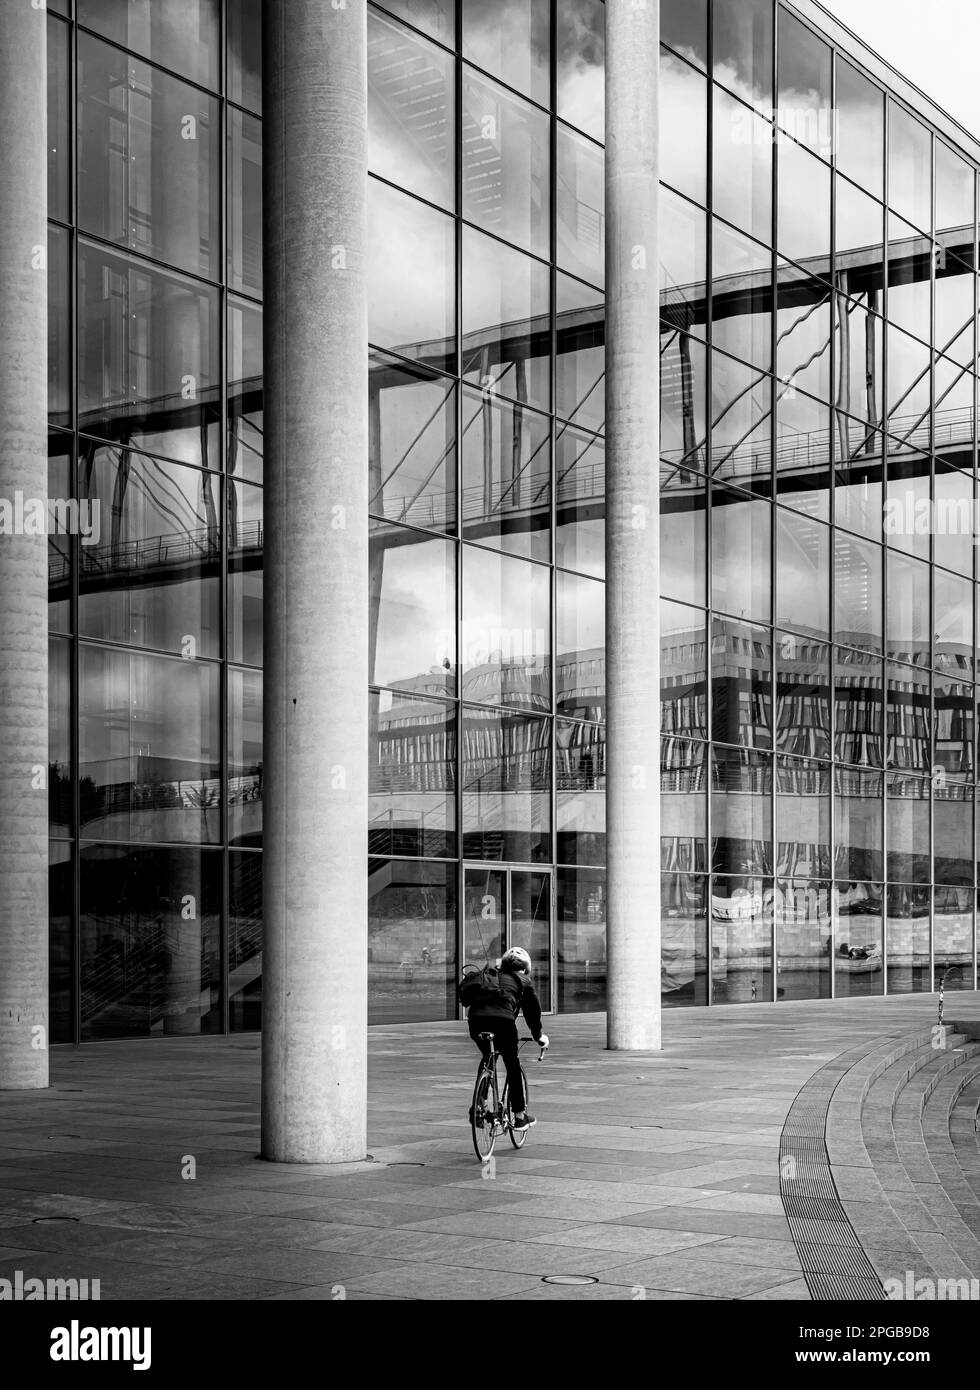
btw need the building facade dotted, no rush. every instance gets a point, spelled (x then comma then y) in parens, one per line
(818, 696)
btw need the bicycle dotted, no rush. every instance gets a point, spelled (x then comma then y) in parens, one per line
(491, 1113)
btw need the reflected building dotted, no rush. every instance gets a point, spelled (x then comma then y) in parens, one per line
(818, 390)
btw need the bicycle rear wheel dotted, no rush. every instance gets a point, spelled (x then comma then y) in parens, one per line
(482, 1119)
(518, 1137)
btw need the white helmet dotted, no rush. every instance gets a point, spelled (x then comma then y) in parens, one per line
(518, 958)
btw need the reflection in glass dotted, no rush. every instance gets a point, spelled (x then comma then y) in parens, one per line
(437, 18)
(147, 966)
(858, 712)
(858, 939)
(683, 544)
(506, 786)
(955, 430)
(952, 729)
(580, 368)
(58, 98)
(801, 436)
(802, 573)
(245, 784)
(245, 398)
(803, 104)
(954, 859)
(952, 621)
(803, 212)
(857, 592)
(506, 320)
(741, 422)
(683, 393)
(954, 286)
(412, 782)
(580, 924)
(580, 626)
(412, 611)
(742, 911)
(740, 550)
(148, 159)
(743, 45)
(908, 609)
(149, 362)
(742, 170)
(580, 207)
(907, 723)
(952, 924)
(741, 811)
(802, 818)
(506, 476)
(857, 487)
(513, 44)
(741, 293)
(153, 577)
(682, 243)
(910, 257)
(858, 335)
(858, 221)
(580, 783)
(245, 562)
(683, 804)
(506, 650)
(908, 397)
(683, 127)
(59, 533)
(683, 940)
(61, 936)
(530, 927)
(411, 276)
(858, 813)
(802, 696)
(907, 828)
(683, 671)
(243, 53)
(411, 941)
(580, 528)
(60, 793)
(684, 25)
(741, 684)
(244, 941)
(59, 326)
(907, 939)
(244, 211)
(580, 50)
(410, 111)
(181, 37)
(860, 128)
(412, 446)
(909, 167)
(506, 164)
(804, 930)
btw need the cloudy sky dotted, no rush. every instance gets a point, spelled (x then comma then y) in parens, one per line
(935, 45)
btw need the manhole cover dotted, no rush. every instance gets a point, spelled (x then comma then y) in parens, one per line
(569, 1279)
(37, 1220)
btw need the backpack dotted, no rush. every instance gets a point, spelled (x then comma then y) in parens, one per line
(481, 985)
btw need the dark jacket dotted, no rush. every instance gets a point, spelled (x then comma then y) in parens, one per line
(520, 998)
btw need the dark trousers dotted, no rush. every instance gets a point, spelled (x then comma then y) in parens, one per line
(504, 1032)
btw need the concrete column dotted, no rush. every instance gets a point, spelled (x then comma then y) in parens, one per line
(314, 1024)
(23, 557)
(632, 526)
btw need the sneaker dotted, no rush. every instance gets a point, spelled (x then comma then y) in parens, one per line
(524, 1121)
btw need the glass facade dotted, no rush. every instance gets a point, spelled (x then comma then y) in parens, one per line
(818, 395)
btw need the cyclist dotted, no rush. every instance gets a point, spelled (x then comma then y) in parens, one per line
(496, 1012)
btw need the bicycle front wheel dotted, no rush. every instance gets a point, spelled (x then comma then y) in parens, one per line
(518, 1137)
(482, 1119)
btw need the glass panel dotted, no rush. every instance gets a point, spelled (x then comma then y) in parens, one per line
(412, 620)
(245, 391)
(148, 159)
(741, 422)
(60, 790)
(506, 657)
(150, 938)
(581, 939)
(61, 935)
(857, 592)
(804, 930)
(740, 550)
(506, 164)
(908, 719)
(148, 747)
(683, 127)
(580, 619)
(953, 937)
(802, 574)
(742, 178)
(910, 257)
(909, 391)
(743, 49)
(802, 445)
(59, 95)
(741, 684)
(908, 610)
(684, 25)
(410, 111)
(683, 940)
(858, 228)
(803, 354)
(506, 320)
(580, 368)
(858, 340)
(506, 787)
(803, 105)
(741, 811)
(245, 561)
(908, 939)
(60, 527)
(434, 17)
(954, 310)
(858, 813)
(683, 544)
(184, 37)
(245, 784)
(153, 576)
(243, 55)
(860, 128)
(858, 939)
(514, 44)
(530, 927)
(953, 734)
(506, 478)
(59, 326)
(683, 393)
(909, 167)
(683, 293)
(955, 180)
(580, 49)
(858, 711)
(411, 941)
(955, 430)
(802, 696)
(683, 804)
(484, 916)
(953, 622)
(683, 671)
(244, 210)
(412, 785)
(411, 277)
(580, 778)
(741, 940)
(149, 362)
(857, 489)
(803, 221)
(580, 479)
(741, 292)
(580, 207)
(954, 860)
(412, 458)
(907, 829)
(244, 941)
